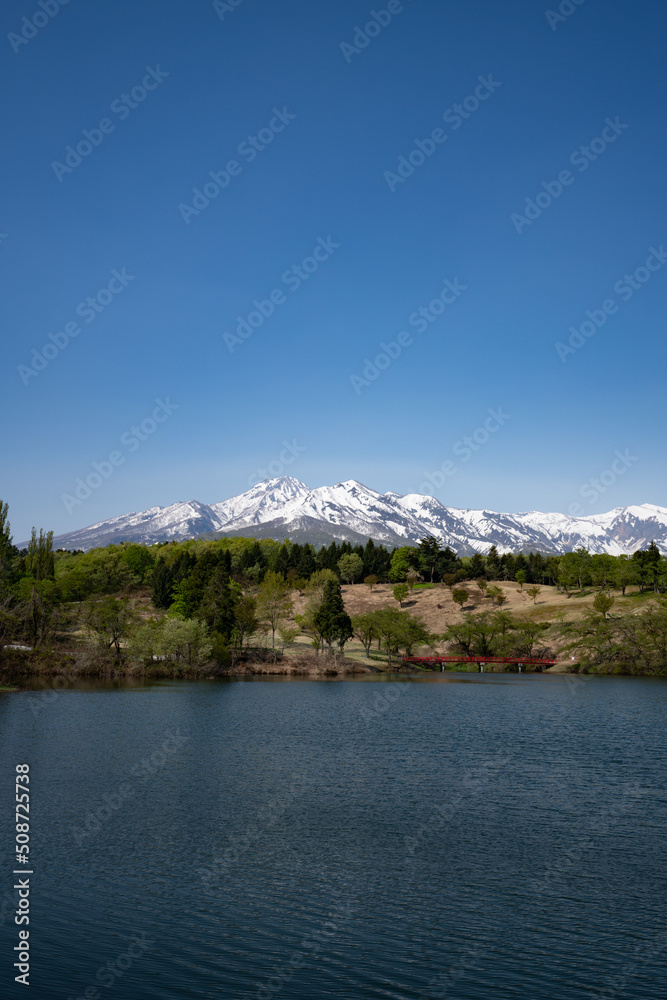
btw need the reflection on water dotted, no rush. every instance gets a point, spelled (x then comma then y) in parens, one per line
(448, 836)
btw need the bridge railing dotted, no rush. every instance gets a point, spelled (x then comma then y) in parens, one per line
(538, 660)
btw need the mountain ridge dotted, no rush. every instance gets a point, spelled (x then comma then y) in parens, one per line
(350, 511)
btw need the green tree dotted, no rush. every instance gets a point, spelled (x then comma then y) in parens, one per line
(400, 564)
(161, 578)
(318, 582)
(274, 605)
(521, 576)
(217, 608)
(388, 623)
(427, 554)
(184, 641)
(533, 592)
(6, 547)
(603, 603)
(477, 566)
(39, 611)
(364, 630)
(332, 619)
(484, 634)
(493, 566)
(398, 630)
(351, 567)
(309, 623)
(459, 596)
(245, 624)
(624, 573)
(400, 592)
(39, 561)
(139, 560)
(110, 619)
(371, 581)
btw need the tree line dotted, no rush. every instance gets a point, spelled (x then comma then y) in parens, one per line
(213, 599)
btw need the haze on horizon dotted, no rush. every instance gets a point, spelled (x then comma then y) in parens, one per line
(432, 252)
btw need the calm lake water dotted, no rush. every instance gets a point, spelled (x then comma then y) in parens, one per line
(461, 837)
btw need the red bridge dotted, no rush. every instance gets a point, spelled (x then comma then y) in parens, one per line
(481, 660)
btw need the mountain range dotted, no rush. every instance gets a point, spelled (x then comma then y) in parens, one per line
(287, 508)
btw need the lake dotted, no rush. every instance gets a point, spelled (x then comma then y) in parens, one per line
(460, 836)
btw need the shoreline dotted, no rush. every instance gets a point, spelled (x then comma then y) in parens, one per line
(25, 670)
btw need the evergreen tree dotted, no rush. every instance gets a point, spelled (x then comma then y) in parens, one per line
(429, 549)
(332, 619)
(493, 568)
(191, 589)
(162, 590)
(447, 562)
(477, 566)
(280, 563)
(218, 603)
(307, 563)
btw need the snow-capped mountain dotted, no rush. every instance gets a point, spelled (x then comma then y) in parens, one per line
(287, 508)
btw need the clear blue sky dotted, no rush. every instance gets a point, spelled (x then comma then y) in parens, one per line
(324, 175)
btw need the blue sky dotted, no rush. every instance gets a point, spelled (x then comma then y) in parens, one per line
(333, 109)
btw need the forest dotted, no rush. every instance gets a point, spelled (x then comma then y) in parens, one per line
(182, 605)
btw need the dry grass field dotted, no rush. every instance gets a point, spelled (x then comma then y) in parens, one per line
(434, 605)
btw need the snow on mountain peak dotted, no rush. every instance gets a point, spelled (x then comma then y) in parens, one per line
(284, 507)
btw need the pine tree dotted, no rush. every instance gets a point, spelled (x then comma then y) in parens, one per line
(493, 568)
(162, 591)
(332, 619)
(429, 548)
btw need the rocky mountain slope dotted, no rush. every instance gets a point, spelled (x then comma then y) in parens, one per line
(287, 508)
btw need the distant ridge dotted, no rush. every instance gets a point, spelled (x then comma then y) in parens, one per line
(287, 508)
